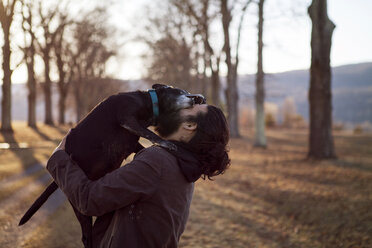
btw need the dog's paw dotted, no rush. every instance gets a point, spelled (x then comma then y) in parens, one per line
(168, 145)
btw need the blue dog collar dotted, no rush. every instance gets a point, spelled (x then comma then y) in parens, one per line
(155, 105)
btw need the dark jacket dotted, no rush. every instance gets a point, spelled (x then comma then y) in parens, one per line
(142, 204)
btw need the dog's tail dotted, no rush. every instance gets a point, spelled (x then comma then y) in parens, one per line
(38, 203)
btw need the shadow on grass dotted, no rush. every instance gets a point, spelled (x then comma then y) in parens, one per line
(46, 137)
(287, 141)
(26, 155)
(332, 220)
(41, 134)
(228, 216)
(350, 165)
(61, 130)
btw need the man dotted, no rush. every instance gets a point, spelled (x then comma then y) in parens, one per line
(146, 202)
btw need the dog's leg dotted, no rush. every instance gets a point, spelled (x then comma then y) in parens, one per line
(132, 125)
(86, 225)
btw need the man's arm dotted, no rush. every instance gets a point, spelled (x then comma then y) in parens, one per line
(117, 189)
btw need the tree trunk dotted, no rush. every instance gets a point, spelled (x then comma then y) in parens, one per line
(320, 95)
(61, 108)
(231, 90)
(78, 100)
(6, 118)
(47, 89)
(29, 58)
(260, 89)
(215, 83)
(62, 88)
(31, 85)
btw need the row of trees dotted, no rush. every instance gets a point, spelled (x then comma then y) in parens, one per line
(187, 47)
(76, 48)
(185, 50)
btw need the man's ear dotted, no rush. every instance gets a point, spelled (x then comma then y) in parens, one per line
(190, 126)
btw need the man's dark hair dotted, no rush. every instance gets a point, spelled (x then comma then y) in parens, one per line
(210, 142)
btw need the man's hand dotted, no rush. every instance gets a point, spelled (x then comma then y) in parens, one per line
(62, 144)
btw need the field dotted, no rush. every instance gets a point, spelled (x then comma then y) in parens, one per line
(267, 198)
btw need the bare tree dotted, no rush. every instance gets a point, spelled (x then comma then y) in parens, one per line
(64, 56)
(288, 110)
(290, 117)
(29, 52)
(92, 50)
(232, 62)
(6, 19)
(232, 96)
(260, 90)
(171, 62)
(174, 56)
(320, 95)
(96, 90)
(235, 65)
(201, 18)
(45, 45)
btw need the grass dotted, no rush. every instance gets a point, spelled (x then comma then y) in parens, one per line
(270, 197)
(277, 198)
(40, 143)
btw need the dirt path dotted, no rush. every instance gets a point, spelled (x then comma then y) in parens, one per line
(14, 205)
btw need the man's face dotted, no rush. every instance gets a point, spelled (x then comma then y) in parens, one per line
(175, 126)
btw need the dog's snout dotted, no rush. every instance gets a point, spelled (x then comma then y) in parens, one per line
(197, 98)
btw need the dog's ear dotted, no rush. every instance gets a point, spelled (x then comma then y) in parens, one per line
(159, 86)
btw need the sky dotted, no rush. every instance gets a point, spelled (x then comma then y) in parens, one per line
(286, 37)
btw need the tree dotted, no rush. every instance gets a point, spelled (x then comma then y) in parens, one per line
(6, 19)
(270, 120)
(231, 89)
(200, 16)
(174, 56)
(232, 97)
(260, 89)
(171, 62)
(96, 90)
(63, 60)
(90, 51)
(290, 117)
(288, 111)
(45, 45)
(320, 95)
(29, 58)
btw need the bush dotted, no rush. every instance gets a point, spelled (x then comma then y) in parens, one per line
(358, 130)
(270, 120)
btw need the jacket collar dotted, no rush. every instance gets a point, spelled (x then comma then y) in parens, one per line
(187, 161)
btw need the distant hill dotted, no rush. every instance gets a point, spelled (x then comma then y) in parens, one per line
(351, 89)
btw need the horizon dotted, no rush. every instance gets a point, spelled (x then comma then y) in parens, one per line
(349, 82)
(247, 74)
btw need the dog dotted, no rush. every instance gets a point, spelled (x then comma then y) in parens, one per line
(110, 133)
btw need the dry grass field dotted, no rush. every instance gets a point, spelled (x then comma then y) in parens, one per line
(267, 198)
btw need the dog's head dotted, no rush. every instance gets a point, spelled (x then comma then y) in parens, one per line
(173, 99)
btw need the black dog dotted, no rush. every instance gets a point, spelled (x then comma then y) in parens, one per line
(110, 133)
